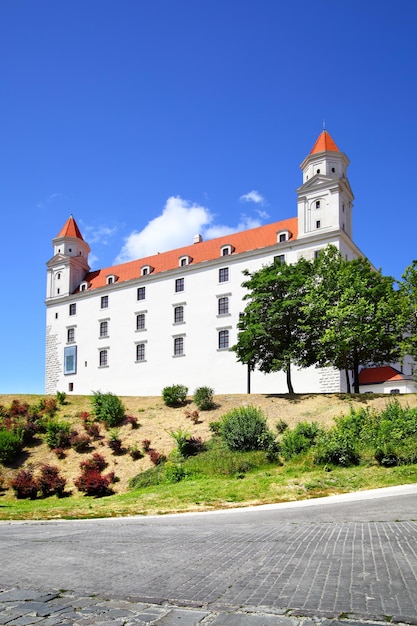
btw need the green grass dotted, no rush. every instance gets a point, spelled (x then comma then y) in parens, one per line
(269, 483)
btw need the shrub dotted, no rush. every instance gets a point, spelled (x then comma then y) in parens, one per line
(174, 395)
(193, 415)
(146, 445)
(61, 397)
(11, 443)
(92, 429)
(135, 453)
(93, 483)
(133, 421)
(245, 428)
(97, 462)
(281, 426)
(203, 398)
(50, 482)
(115, 443)
(156, 457)
(80, 442)
(215, 428)
(58, 434)
(60, 453)
(24, 485)
(108, 408)
(50, 406)
(174, 472)
(336, 447)
(299, 439)
(187, 445)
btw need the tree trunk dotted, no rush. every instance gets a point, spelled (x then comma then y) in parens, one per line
(347, 380)
(355, 373)
(289, 382)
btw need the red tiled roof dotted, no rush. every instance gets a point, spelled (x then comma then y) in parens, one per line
(70, 229)
(324, 143)
(253, 239)
(374, 375)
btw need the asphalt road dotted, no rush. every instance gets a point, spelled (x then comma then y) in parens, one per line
(354, 554)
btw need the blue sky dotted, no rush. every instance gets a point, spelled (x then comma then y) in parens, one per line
(139, 116)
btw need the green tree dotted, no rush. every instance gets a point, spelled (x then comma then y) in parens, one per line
(353, 312)
(273, 329)
(408, 289)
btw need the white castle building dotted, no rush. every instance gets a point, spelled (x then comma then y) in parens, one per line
(171, 318)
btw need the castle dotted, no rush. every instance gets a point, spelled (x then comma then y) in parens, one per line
(171, 318)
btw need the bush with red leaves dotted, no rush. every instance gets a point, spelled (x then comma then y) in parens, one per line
(80, 442)
(146, 445)
(133, 421)
(25, 485)
(97, 462)
(93, 483)
(50, 482)
(156, 457)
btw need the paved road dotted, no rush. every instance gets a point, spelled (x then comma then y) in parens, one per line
(353, 555)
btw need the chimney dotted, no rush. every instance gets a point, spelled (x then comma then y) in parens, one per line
(197, 239)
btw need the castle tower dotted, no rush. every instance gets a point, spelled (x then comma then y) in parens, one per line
(69, 265)
(325, 197)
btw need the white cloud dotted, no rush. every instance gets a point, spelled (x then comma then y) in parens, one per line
(253, 196)
(51, 198)
(99, 234)
(179, 221)
(175, 227)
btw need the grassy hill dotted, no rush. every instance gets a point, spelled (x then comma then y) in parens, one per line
(156, 423)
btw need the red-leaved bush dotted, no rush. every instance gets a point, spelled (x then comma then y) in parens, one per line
(25, 485)
(50, 482)
(93, 483)
(97, 462)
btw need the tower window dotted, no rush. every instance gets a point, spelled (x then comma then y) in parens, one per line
(104, 302)
(140, 321)
(178, 346)
(70, 335)
(317, 204)
(333, 170)
(318, 224)
(178, 314)
(72, 309)
(140, 352)
(318, 171)
(223, 275)
(103, 358)
(223, 305)
(179, 285)
(104, 329)
(141, 293)
(223, 339)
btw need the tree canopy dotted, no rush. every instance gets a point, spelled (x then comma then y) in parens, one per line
(327, 312)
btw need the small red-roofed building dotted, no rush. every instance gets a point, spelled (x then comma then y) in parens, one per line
(171, 318)
(385, 379)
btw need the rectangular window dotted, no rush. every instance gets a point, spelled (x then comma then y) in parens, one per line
(72, 309)
(178, 346)
(318, 224)
(223, 339)
(70, 360)
(178, 314)
(223, 275)
(141, 293)
(140, 352)
(104, 329)
(223, 306)
(179, 285)
(104, 302)
(140, 321)
(282, 237)
(317, 204)
(70, 335)
(103, 358)
(280, 258)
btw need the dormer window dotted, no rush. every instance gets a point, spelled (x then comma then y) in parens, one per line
(184, 260)
(283, 235)
(84, 286)
(146, 269)
(226, 250)
(110, 279)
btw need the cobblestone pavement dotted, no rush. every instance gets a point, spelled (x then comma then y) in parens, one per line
(339, 562)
